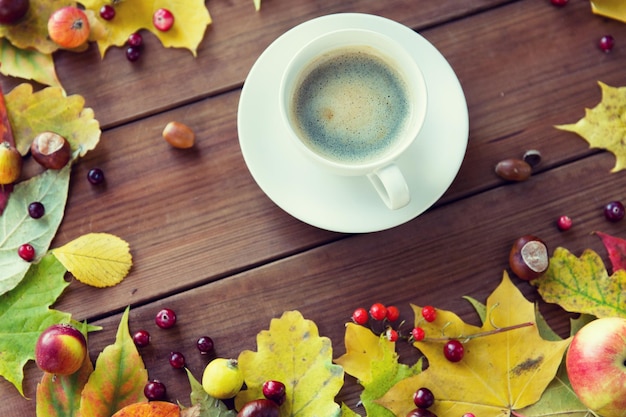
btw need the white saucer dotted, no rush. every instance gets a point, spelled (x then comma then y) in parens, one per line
(350, 204)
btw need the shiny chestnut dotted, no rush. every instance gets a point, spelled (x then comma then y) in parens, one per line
(51, 150)
(528, 258)
(259, 408)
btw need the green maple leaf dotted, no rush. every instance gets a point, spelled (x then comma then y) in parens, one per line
(292, 352)
(583, 285)
(16, 226)
(191, 18)
(604, 126)
(25, 313)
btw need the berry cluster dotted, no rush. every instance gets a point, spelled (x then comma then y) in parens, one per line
(165, 319)
(380, 314)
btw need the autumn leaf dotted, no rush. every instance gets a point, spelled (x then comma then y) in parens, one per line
(257, 5)
(96, 259)
(374, 362)
(191, 18)
(292, 352)
(616, 248)
(25, 314)
(28, 64)
(31, 113)
(347, 412)
(203, 405)
(604, 126)
(501, 371)
(118, 378)
(583, 285)
(151, 409)
(615, 9)
(59, 395)
(16, 226)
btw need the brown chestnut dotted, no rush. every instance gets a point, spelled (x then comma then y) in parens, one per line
(513, 169)
(51, 150)
(259, 408)
(528, 258)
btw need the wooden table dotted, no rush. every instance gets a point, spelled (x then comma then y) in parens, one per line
(208, 243)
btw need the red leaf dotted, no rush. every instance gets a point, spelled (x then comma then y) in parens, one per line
(616, 247)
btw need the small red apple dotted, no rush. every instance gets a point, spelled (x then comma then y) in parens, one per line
(596, 366)
(60, 349)
(68, 27)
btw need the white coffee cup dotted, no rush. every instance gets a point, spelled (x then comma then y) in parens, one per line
(353, 101)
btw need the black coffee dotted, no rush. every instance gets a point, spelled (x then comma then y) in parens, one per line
(351, 105)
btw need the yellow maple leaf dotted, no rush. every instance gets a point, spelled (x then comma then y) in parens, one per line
(292, 352)
(604, 126)
(51, 110)
(583, 285)
(191, 18)
(500, 371)
(96, 259)
(615, 9)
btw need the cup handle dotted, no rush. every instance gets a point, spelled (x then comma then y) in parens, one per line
(391, 186)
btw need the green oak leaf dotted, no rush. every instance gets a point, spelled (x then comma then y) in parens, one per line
(16, 226)
(25, 313)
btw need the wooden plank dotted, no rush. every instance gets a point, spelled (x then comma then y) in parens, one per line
(464, 244)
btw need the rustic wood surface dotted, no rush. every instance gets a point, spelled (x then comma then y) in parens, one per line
(208, 243)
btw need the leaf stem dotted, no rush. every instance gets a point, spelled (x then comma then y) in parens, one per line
(480, 334)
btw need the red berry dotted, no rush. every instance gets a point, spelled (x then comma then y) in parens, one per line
(429, 313)
(423, 398)
(392, 335)
(154, 390)
(378, 311)
(468, 415)
(163, 20)
(360, 316)
(95, 176)
(418, 334)
(107, 12)
(275, 391)
(453, 350)
(421, 412)
(135, 39)
(393, 313)
(564, 223)
(614, 211)
(177, 360)
(133, 53)
(141, 338)
(26, 252)
(606, 43)
(205, 345)
(559, 2)
(165, 318)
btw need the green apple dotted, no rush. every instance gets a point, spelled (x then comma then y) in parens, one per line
(596, 366)
(60, 349)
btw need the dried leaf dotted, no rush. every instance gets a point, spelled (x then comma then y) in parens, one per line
(118, 379)
(28, 64)
(17, 227)
(59, 395)
(604, 127)
(583, 285)
(615, 9)
(151, 409)
(191, 20)
(25, 314)
(96, 259)
(51, 110)
(292, 352)
(616, 248)
(373, 361)
(500, 372)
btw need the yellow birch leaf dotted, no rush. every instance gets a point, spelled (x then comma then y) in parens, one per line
(292, 352)
(96, 259)
(615, 9)
(191, 18)
(583, 285)
(501, 371)
(604, 126)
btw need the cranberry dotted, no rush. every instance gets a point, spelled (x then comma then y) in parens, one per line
(559, 3)
(614, 211)
(165, 318)
(95, 176)
(564, 223)
(453, 350)
(606, 43)
(141, 338)
(275, 391)
(177, 360)
(26, 252)
(133, 53)
(154, 390)
(107, 12)
(36, 210)
(423, 398)
(205, 345)
(135, 39)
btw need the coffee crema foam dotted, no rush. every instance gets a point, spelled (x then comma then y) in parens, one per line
(351, 106)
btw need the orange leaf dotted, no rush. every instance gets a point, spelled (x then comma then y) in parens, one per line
(151, 409)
